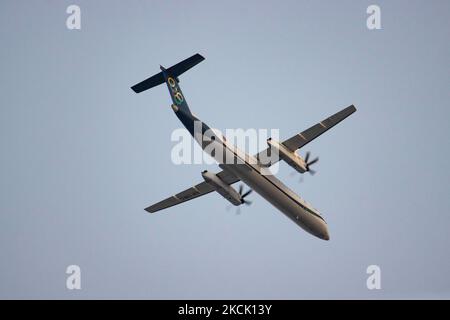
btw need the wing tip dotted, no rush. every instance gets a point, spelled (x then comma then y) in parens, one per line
(200, 56)
(149, 210)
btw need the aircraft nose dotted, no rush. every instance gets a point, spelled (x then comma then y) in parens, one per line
(324, 234)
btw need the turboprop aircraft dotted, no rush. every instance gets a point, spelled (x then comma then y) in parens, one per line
(237, 165)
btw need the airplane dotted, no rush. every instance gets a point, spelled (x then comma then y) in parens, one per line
(251, 170)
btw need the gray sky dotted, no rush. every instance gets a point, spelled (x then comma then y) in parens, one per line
(82, 155)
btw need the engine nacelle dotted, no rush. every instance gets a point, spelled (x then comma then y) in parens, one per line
(225, 190)
(290, 157)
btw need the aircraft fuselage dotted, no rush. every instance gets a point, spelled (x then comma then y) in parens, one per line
(266, 185)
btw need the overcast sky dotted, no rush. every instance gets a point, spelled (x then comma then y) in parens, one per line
(83, 155)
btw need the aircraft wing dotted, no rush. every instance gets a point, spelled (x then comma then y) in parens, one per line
(194, 192)
(301, 139)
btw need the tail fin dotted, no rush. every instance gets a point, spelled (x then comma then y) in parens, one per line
(175, 71)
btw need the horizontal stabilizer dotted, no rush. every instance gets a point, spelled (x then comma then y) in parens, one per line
(174, 71)
(151, 82)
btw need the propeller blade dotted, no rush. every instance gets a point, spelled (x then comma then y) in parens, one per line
(243, 195)
(313, 161)
(307, 156)
(294, 173)
(312, 172)
(247, 193)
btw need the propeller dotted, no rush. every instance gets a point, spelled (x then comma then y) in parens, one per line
(308, 163)
(243, 201)
(243, 195)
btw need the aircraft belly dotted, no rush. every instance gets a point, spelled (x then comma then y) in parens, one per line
(281, 201)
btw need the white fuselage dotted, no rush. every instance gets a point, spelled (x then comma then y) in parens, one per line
(273, 190)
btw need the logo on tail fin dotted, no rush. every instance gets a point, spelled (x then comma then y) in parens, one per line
(178, 97)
